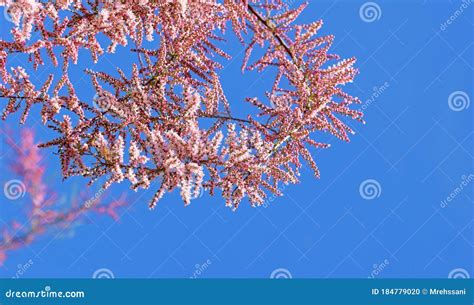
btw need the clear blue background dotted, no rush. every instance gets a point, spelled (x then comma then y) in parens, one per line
(413, 144)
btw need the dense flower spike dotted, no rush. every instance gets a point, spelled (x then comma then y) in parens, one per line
(168, 124)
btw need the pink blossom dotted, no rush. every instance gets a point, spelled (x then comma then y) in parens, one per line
(157, 113)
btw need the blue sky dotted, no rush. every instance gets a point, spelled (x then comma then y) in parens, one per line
(415, 150)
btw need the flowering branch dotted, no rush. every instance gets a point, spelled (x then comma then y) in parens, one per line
(149, 126)
(44, 212)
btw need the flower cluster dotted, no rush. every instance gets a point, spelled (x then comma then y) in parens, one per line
(168, 124)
